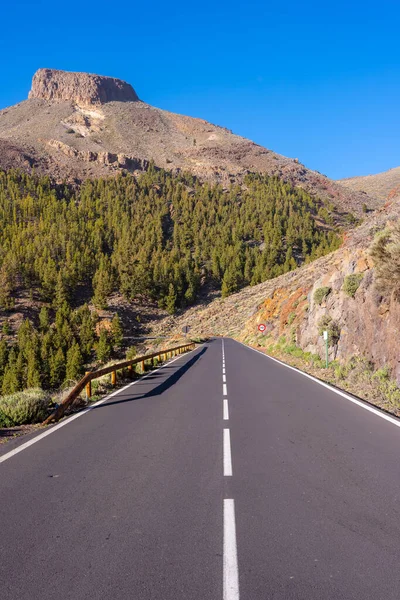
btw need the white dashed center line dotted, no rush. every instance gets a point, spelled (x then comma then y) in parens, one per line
(224, 389)
(226, 410)
(231, 574)
(227, 454)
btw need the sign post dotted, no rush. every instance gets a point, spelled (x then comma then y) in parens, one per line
(326, 348)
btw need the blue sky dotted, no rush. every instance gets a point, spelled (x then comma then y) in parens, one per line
(314, 80)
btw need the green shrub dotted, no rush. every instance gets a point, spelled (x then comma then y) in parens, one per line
(131, 353)
(320, 294)
(326, 323)
(382, 374)
(386, 254)
(21, 408)
(351, 284)
(291, 318)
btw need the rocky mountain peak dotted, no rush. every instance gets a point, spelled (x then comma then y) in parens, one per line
(83, 89)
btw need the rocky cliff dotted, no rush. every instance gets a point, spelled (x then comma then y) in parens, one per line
(83, 89)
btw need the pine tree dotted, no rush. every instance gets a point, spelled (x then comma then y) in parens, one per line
(44, 319)
(230, 282)
(61, 292)
(3, 356)
(102, 283)
(103, 347)
(74, 362)
(57, 368)
(11, 381)
(116, 331)
(170, 300)
(7, 300)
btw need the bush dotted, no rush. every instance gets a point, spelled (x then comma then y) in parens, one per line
(131, 353)
(351, 284)
(326, 323)
(386, 254)
(320, 294)
(21, 408)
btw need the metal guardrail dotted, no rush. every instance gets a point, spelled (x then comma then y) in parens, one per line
(85, 382)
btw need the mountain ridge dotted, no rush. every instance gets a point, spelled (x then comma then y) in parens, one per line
(72, 141)
(383, 185)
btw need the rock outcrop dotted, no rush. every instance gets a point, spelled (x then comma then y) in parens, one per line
(83, 89)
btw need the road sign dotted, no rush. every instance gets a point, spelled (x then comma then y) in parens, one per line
(262, 327)
(185, 329)
(325, 335)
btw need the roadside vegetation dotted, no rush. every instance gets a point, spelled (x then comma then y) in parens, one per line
(386, 254)
(357, 376)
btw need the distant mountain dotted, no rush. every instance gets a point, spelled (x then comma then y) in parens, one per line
(382, 186)
(77, 125)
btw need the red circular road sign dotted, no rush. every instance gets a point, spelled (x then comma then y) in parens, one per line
(262, 327)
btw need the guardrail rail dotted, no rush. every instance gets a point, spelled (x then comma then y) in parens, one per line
(87, 379)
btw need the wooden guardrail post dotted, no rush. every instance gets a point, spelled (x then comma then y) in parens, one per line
(88, 388)
(113, 378)
(142, 366)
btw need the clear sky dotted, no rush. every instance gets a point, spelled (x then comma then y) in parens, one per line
(319, 81)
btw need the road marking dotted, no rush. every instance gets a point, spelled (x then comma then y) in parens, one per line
(224, 390)
(230, 562)
(227, 454)
(80, 414)
(224, 378)
(223, 371)
(375, 411)
(226, 410)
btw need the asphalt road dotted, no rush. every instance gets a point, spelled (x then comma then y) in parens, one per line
(213, 478)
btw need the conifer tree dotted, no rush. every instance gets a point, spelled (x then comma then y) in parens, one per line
(11, 382)
(103, 347)
(116, 331)
(170, 300)
(74, 362)
(102, 283)
(44, 319)
(57, 368)
(61, 292)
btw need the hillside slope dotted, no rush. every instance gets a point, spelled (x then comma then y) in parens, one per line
(78, 126)
(368, 323)
(382, 186)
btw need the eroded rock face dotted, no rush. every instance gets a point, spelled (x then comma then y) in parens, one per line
(82, 88)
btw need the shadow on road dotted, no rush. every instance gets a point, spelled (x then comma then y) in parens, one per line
(172, 379)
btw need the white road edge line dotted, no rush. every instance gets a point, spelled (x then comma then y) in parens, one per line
(226, 410)
(375, 411)
(227, 454)
(224, 389)
(80, 414)
(230, 562)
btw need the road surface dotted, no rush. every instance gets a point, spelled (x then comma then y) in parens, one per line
(222, 475)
